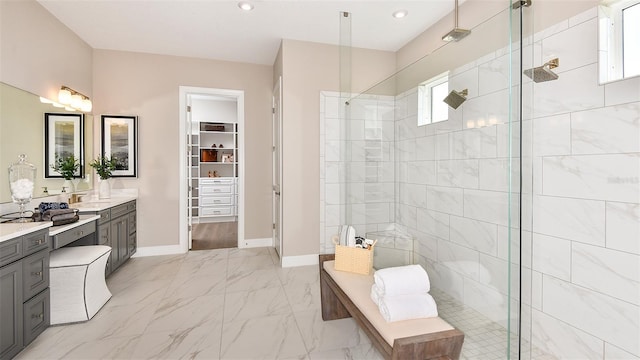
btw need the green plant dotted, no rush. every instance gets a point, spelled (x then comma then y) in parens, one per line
(104, 166)
(66, 166)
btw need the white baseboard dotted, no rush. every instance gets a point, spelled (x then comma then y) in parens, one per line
(301, 260)
(159, 250)
(251, 243)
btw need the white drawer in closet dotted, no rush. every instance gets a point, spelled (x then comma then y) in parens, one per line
(217, 211)
(216, 189)
(216, 200)
(216, 181)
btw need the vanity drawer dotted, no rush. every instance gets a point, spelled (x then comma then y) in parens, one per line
(216, 181)
(34, 242)
(74, 234)
(105, 216)
(216, 189)
(35, 316)
(35, 270)
(216, 200)
(10, 250)
(131, 205)
(217, 211)
(119, 211)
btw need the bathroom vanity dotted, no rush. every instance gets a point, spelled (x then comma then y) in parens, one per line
(24, 284)
(116, 227)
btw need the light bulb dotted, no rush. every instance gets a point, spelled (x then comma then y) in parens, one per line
(64, 96)
(86, 105)
(76, 101)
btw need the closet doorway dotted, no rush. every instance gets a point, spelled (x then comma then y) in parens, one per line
(213, 131)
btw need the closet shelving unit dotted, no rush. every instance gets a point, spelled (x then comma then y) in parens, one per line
(213, 152)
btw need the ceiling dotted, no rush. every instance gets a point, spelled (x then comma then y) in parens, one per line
(218, 29)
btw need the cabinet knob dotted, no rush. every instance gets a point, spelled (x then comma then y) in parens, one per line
(39, 242)
(37, 316)
(37, 273)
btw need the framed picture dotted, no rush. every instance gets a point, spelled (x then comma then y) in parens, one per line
(63, 137)
(227, 158)
(120, 142)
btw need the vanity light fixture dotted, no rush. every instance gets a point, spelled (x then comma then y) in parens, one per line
(71, 98)
(399, 14)
(245, 5)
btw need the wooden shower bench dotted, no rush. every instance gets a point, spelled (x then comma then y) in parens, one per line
(346, 294)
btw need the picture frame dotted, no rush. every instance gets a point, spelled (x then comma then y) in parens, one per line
(120, 142)
(227, 158)
(63, 137)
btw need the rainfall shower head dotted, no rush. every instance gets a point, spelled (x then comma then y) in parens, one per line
(456, 98)
(543, 73)
(457, 33)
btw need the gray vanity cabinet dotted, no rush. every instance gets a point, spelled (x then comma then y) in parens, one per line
(115, 230)
(24, 291)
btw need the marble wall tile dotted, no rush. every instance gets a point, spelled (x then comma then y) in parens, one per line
(493, 75)
(536, 290)
(564, 341)
(422, 172)
(445, 279)
(334, 194)
(505, 244)
(463, 260)
(406, 150)
(413, 195)
(604, 177)
(378, 213)
(552, 135)
(488, 206)
(486, 110)
(445, 199)
(583, 16)
(493, 174)
(613, 129)
(386, 171)
(358, 213)
(458, 173)
(474, 143)
(623, 227)
(575, 47)
(333, 215)
(605, 317)
(621, 92)
(573, 219)
(333, 129)
(610, 272)
(407, 216)
(355, 193)
(363, 108)
(331, 107)
(333, 150)
(357, 149)
(474, 234)
(494, 274)
(465, 80)
(574, 90)
(433, 223)
(379, 192)
(426, 148)
(487, 300)
(552, 256)
(612, 352)
(426, 245)
(356, 130)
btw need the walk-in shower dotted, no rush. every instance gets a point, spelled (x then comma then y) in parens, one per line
(516, 199)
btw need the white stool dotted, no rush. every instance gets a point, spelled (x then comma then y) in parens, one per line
(77, 284)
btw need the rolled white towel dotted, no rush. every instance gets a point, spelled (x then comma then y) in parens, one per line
(407, 307)
(401, 280)
(375, 294)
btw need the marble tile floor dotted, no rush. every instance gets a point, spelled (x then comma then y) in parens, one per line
(230, 304)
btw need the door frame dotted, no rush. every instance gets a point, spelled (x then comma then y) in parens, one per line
(184, 165)
(277, 159)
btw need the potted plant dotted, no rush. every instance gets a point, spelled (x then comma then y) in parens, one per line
(67, 167)
(104, 167)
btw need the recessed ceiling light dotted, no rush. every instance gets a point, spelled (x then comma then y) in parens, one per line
(398, 14)
(246, 6)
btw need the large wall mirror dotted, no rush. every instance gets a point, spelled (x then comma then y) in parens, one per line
(22, 131)
(619, 39)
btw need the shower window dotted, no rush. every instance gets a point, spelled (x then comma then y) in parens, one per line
(631, 40)
(431, 108)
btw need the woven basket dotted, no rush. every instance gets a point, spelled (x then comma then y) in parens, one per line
(352, 259)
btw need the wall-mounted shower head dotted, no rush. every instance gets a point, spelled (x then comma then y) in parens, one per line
(457, 33)
(543, 73)
(456, 98)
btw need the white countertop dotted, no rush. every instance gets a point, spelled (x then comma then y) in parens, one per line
(10, 231)
(55, 230)
(95, 205)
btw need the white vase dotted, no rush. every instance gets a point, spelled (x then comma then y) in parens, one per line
(105, 189)
(68, 186)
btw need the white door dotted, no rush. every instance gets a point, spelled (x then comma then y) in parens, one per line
(277, 167)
